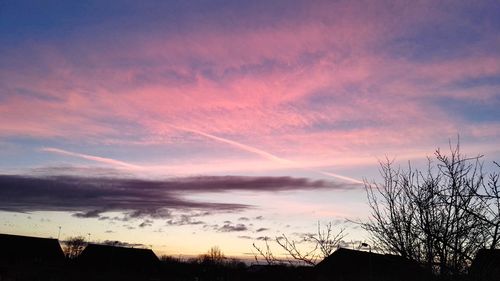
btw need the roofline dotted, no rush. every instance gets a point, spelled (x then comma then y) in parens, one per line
(25, 236)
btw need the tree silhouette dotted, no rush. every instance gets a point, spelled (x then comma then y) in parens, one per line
(213, 256)
(74, 246)
(440, 216)
(321, 244)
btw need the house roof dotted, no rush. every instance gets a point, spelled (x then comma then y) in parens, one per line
(486, 265)
(346, 264)
(487, 256)
(105, 256)
(16, 248)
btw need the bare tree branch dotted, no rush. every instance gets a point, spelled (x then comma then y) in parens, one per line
(439, 216)
(318, 246)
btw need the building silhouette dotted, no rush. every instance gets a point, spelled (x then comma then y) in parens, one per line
(122, 259)
(30, 258)
(25, 250)
(486, 266)
(352, 265)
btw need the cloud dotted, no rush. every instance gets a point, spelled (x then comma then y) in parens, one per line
(88, 214)
(262, 229)
(263, 238)
(88, 197)
(145, 223)
(121, 244)
(232, 228)
(187, 219)
(335, 83)
(259, 238)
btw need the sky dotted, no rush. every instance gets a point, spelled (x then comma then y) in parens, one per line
(181, 125)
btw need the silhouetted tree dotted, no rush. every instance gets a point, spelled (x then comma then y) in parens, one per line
(440, 216)
(213, 256)
(321, 244)
(265, 253)
(170, 259)
(490, 209)
(74, 246)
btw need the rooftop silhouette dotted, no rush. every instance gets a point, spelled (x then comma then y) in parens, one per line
(346, 264)
(486, 265)
(107, 257)
(16, 249)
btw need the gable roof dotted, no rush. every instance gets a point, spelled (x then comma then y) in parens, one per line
(486, 265)
(346, 264)
(113, 257)
(26, 249)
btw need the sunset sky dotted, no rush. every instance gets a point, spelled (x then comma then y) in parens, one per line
(181, 125)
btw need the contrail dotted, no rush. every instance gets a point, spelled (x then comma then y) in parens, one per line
(239, 145)
(262, 153)
(245, 147)
(92, 158)
(338, 176)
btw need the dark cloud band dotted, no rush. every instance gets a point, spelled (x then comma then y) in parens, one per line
(91, 196)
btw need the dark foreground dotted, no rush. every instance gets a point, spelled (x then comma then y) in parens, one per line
(166, 271)
(32, 258)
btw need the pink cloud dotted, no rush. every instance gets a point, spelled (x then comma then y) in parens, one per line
(306, 89)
